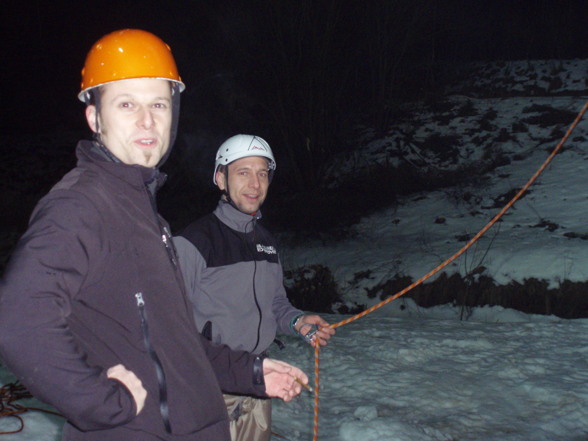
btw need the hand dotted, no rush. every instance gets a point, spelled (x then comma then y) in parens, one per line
(131, 382)
(324, 332)
(280, 380)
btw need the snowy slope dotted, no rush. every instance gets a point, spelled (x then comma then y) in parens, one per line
(543, 236)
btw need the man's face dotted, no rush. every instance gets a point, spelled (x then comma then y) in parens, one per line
(248, 182)
(135, 119)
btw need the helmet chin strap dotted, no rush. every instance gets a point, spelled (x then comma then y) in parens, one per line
(96, 134)
(225, 192)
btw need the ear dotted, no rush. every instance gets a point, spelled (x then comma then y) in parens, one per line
(220, 180)
(91, 117)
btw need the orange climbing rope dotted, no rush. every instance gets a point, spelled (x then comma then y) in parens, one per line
(317, 351)
(442, 265)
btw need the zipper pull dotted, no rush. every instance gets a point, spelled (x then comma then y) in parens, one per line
(140, 301)
(166, 239)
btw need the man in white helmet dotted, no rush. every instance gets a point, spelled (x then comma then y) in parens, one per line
(234, 276)
(94, 318)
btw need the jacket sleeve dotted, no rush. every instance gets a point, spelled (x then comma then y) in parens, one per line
(233, 369)
(46, 271)
(281, 306)
(189, 259)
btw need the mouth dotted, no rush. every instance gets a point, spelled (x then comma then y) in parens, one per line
(146, 142)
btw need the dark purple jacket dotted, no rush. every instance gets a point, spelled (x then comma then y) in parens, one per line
(94, 283)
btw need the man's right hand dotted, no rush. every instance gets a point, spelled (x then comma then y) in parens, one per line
(280, 379)
(131, 382)
(324, 330)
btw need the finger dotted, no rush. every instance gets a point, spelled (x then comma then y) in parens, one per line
(296, 390)
(287, 393)
(299, 376)
(292, 392)
(321, 338)
(324, 334)
(327, 329)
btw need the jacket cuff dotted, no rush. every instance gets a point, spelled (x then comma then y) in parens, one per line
(293, 323)
(258, 370)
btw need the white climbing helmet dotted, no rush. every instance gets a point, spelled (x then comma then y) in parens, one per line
(243, 146)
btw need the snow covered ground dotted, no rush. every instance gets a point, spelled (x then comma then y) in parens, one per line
(406, 373)
(415, 375)
(410, 374)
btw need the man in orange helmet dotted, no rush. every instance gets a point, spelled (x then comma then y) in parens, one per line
(93, 313)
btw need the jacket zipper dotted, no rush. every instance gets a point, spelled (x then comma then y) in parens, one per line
(252, 250)
(166, 236)
(169, 247)
(163, 404)
(167, 242)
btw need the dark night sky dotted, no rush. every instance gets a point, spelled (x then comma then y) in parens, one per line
(297, 72)
(45, 42)
(45, 45)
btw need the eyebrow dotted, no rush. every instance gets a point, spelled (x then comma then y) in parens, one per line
(128, 95)
(248, 167)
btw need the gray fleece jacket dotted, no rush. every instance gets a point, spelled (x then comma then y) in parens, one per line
(234, 279)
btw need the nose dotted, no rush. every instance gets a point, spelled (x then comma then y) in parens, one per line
(254, 181)
(146, 120)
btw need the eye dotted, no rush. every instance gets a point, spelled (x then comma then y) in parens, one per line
(161, 105)
(125, 105)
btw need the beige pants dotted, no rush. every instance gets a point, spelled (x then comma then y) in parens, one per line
(251, 418)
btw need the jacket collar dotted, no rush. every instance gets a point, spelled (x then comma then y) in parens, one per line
(235, 219)
(92, 152)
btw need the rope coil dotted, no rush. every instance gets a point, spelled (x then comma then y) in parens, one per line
(11, 392)
(444, 264)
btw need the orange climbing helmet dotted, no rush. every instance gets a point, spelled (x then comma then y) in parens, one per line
(128, 54)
